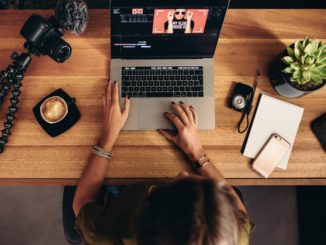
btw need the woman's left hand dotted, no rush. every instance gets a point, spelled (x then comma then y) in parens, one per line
(189, 15)
(114, 118)
(187, 138)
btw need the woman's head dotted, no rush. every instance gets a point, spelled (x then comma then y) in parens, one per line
(189, 211)
(179, 14)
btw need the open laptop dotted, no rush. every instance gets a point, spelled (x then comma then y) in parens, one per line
(161, 51)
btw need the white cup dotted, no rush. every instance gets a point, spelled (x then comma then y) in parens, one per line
(54, 109)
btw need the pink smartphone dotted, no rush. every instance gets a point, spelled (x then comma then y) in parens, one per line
(270, 155)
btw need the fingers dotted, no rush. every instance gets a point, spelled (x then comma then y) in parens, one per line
(126, 108)
(175, 120)
(107, 97)
(182, 114)
(167, 135)
(188, 112)
(195, 115)
(186, 115)
(108, 91)
(104, 102)
(115, 93)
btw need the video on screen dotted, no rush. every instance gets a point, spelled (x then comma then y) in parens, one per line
(157, 32)
(179, 21)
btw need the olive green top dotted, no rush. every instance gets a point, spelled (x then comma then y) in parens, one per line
(116, 224)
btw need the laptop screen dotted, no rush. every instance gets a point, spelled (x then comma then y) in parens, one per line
(163, 29)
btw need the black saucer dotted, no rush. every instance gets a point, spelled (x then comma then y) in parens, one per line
(70, 119)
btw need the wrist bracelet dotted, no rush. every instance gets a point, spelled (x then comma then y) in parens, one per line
(202, 162)
(102, 153)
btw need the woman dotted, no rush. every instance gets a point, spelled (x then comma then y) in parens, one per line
(179, 22)
(192, 209)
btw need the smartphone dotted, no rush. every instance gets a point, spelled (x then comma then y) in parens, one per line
(318, 126)
(270, 155)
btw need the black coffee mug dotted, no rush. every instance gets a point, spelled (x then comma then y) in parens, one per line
(61, 125)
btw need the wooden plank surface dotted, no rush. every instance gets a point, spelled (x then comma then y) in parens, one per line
(249, 41)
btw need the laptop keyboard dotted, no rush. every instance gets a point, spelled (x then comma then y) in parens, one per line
(162, 81)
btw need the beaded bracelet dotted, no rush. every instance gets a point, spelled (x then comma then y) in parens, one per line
(102, 153)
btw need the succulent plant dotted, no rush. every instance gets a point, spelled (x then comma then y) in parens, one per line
(306, 62)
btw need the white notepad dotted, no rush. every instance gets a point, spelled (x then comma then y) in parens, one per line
(273, 116)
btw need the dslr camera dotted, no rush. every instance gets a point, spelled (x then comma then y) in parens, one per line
(43, 36)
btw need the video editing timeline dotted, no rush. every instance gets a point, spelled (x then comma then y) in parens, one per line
(153, 32)
(130, 17)
(136, 16)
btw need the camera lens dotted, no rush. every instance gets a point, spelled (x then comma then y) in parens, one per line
(62, 53)
(239, 102)
(57, 49)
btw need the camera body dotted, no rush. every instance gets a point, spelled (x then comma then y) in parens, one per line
(240, 97)
(43, 36)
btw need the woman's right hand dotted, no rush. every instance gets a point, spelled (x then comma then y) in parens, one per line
(114, 117)
(187, 137)
(170, 15)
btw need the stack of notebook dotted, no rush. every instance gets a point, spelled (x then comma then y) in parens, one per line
(273, 116)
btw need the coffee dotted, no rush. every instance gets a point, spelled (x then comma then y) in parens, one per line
(54, 109)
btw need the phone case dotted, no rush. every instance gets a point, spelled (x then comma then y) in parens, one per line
(270, 155)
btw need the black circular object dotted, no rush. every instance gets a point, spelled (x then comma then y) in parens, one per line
(239, 102)
(57, 49)
(67, 122)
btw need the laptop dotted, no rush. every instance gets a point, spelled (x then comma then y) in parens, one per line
(161, 51)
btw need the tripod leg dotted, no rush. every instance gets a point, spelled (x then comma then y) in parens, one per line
(4, 86)
(12, 76)
(11, 111)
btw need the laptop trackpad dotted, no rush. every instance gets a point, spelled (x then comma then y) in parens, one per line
(150, 114)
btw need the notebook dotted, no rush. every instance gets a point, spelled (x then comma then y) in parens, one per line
(273, 116)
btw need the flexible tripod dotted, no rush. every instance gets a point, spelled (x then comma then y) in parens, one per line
(11, 78)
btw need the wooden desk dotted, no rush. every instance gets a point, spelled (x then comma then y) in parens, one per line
(249, 41)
